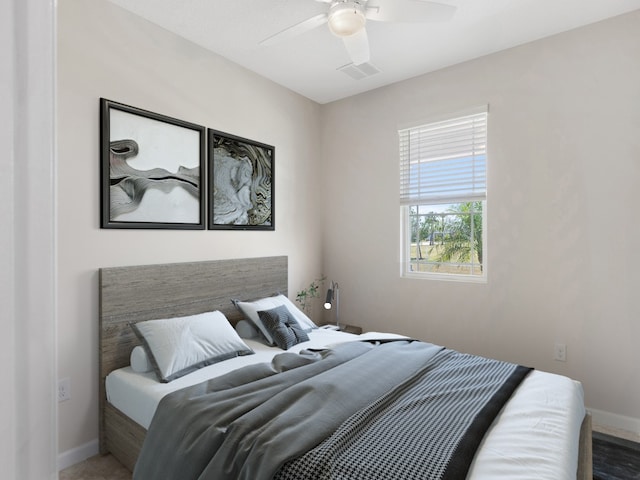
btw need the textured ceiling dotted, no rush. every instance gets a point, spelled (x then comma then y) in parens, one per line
(309, 63)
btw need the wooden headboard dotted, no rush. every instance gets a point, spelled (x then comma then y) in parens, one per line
(147, 292)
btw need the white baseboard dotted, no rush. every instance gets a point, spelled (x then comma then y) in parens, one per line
(616, 425)
(78, 454)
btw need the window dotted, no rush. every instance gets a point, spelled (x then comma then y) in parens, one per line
(443, 191)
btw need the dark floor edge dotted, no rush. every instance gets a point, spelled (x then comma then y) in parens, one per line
(623, 442)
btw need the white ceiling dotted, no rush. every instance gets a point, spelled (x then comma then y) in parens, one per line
(308, 63)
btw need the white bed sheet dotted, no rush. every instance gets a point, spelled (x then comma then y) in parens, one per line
(535, 436)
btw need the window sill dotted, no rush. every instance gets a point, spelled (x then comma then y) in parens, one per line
(446, 277)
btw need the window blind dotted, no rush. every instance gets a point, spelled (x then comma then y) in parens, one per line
(444, 162)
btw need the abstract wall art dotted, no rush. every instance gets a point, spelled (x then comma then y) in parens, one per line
(241, 183)
(152, 167)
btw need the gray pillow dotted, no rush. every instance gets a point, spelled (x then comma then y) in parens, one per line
(250, 310)
(283, 327)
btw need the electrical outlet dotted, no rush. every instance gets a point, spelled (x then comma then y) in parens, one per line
(64, 389)
(560, 352)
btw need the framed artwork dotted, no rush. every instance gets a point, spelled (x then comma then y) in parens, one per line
(152, 170)
(241, 183)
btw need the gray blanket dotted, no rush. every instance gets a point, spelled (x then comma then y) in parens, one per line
(252, 423)
(428, 427)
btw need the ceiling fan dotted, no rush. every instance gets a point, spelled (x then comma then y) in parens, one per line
(347, 19)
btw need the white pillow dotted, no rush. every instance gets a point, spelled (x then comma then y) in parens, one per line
(251, 309)
(139, 360)
(178, 346)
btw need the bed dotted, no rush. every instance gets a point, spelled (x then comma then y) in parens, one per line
(551, 440)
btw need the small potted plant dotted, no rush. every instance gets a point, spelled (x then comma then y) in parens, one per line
(305, 297)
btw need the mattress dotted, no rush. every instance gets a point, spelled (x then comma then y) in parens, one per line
(535, 436)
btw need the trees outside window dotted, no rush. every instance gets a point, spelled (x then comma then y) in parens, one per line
(447, 238)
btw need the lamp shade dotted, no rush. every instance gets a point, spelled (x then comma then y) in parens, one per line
(346, 19)
(333, 298)
(329, 299)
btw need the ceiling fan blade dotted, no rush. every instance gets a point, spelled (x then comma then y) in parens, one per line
(409, 11)
(357, 46)
(295, 30)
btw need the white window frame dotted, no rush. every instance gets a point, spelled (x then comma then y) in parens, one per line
(412, 194)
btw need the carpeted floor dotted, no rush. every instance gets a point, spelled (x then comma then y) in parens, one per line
(613, 459)
(100, 467)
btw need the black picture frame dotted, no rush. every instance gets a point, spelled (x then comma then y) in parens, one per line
(152, 170)
(241, 183)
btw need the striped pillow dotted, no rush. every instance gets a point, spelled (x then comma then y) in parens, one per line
(283, 327)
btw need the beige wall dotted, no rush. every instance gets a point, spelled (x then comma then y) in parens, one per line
(563, 235)
(104, 51)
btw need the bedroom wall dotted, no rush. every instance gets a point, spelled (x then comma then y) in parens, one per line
(564, 173)
(103, 51)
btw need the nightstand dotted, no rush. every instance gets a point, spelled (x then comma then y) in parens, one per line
(350, 329)
(343, 328)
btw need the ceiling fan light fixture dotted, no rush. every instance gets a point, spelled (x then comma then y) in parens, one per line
(346, 18)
